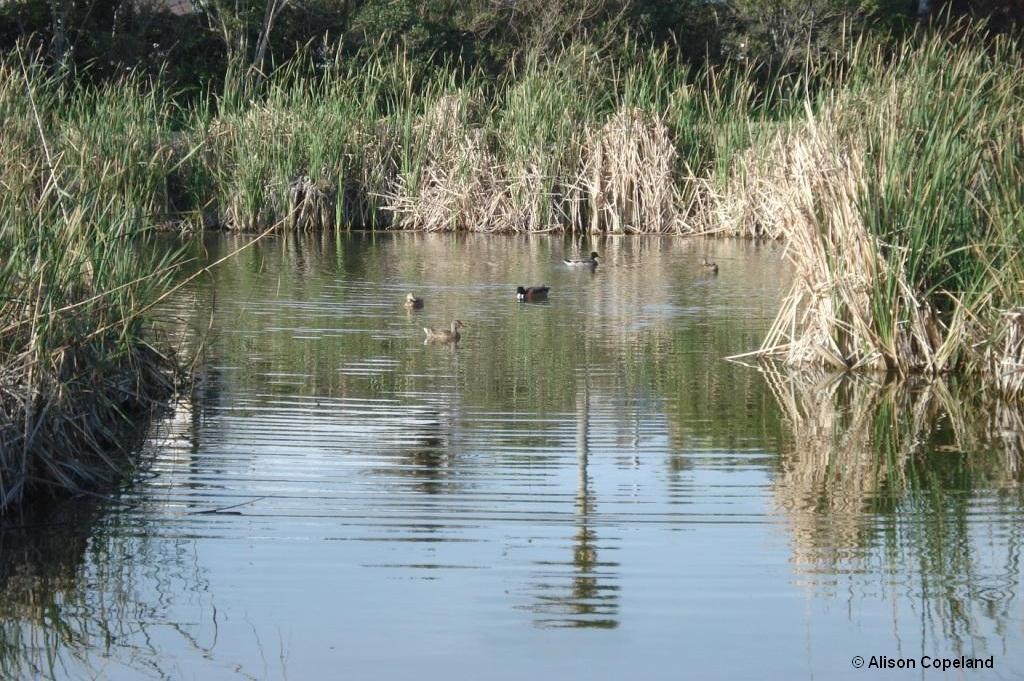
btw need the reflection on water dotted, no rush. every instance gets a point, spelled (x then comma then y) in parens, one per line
(590, 599)
(910, 490)
(581, 488)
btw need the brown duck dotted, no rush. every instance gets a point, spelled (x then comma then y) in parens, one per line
(444, 335)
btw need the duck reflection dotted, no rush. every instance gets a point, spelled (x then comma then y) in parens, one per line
(420, 451)
(590, 599)
(428, 454)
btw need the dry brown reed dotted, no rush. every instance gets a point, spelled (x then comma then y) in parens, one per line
(1009, 359)
(900, 213)
(624, 182)
(311, 204)
(459, 184)
(807, 187)
(627, 177)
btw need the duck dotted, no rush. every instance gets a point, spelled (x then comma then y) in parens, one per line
(412, 302)
(532, 292)
(585, 262)
(709, 266)
(444, 335)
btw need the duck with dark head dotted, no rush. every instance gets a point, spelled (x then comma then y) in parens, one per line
(532, 293)
(583, 262)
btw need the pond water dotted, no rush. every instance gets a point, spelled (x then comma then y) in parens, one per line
(582, 488)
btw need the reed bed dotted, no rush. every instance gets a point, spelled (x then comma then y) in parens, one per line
(627, 176)
(458, 183)
(581, 141)
(76, 375)
(902, 210)
(584, 140)
(622, 182)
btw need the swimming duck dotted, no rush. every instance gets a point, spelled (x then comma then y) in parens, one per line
(412, 302)
(532, 293)
(585, 262)
(444, 335)
(711, 267)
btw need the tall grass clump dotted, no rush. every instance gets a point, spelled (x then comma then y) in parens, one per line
(536, 124)
(75, 370)
(452, 180)
(901, 198)
(320, 151)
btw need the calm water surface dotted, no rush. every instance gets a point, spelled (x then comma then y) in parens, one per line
(581, 489)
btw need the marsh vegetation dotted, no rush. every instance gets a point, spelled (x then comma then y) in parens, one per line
(888, 162)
